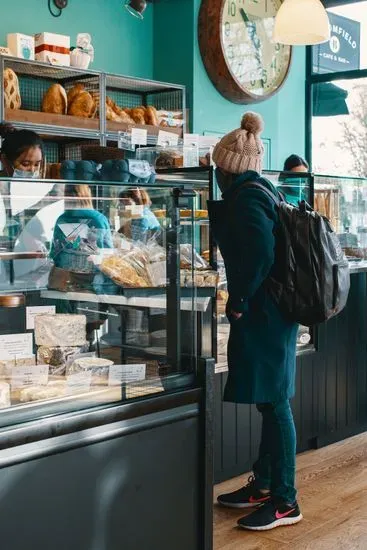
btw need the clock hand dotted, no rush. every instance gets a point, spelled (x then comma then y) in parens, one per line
(252, 35)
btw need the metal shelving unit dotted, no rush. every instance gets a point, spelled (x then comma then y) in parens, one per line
(128, 92)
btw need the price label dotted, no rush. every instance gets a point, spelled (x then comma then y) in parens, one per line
(16, 345)
(191, 140)
(79, 382)
(36, 375)
(139, 136)
(123, 374)
(167, 139)
(31, 313)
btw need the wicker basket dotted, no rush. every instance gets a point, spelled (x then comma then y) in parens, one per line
(99, 154)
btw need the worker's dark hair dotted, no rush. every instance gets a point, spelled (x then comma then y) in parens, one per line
(293, 161)
(15, 142)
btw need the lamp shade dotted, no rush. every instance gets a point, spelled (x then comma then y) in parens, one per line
(301, 23)
(136, 7)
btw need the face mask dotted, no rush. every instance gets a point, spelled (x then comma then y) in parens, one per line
(24, 174)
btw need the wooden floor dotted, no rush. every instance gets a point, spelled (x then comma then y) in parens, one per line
(332, 485)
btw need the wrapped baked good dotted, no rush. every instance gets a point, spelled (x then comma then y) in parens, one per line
(12, 99)
(58, 357)
(124, 271)
(53, 390)
(4, 395)
(60, 330)
(98, 367)
(6, 365)
(83, 106)
(190, 258)
(55, 100)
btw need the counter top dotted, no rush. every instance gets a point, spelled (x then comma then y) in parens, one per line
(358, 267)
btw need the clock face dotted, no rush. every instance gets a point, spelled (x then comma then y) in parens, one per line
(258, 65)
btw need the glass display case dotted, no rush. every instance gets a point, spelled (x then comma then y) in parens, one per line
(102, 289)
(344, 202)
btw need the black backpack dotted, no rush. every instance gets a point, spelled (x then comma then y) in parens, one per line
(310, 278)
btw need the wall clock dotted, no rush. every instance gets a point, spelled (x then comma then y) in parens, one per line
(235, 38)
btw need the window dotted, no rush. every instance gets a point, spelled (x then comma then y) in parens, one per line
(337, 84)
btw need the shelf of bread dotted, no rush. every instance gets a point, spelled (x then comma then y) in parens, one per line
(50, 119)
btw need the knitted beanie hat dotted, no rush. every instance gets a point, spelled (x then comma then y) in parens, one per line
(242, 149)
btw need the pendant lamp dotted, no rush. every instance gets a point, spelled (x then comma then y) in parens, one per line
(136, 7)
(301, 23)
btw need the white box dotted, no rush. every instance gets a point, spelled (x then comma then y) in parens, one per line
(21, 45)
(4, 51)
(53, 48)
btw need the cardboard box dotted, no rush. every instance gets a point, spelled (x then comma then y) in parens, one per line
(21, 45)
(53, 48)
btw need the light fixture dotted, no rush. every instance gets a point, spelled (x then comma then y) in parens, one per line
(301, 23)
(136, 7)
(59, 4)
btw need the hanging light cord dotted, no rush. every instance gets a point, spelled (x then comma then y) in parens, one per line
(51, 10)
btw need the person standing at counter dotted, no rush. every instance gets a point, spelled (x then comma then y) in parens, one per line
(262, 343)
(292, 187)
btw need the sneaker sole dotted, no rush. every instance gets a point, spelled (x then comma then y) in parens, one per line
(278, 523)
(240, 505)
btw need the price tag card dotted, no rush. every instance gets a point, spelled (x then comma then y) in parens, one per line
(191, 140)
(34, 375)
(139, 136)
(167, 139)
(16, 345)
(79, 382)
(31, 313)
(190, 157)
(123, 374)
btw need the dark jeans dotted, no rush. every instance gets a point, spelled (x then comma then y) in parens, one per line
(275, 468)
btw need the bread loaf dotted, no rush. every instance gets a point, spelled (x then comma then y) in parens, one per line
(151, 116)
(74, 91)
(83, 105)
(12, 98)
(55, 100)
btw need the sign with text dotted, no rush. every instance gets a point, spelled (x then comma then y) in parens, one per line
(16, 345)
(342, 52)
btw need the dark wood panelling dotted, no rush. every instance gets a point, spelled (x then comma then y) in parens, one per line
(331, 398)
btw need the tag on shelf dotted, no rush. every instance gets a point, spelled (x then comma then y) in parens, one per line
(16, 345)
(79, 382)
(191, 140)
(167, 139)
(139, 136)
(34, 375)
(31, 313)
(123, 374)
(124, 141)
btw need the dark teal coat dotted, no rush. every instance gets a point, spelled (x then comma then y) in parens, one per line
(262, 343)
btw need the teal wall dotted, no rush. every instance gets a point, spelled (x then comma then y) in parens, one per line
(177, 58)
(122, 43)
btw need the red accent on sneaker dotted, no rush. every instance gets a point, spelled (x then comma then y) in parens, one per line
(254, 500)
(278, 515)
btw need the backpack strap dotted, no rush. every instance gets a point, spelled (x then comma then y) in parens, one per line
(258, 185)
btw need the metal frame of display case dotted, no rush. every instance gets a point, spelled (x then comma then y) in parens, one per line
(128, 91)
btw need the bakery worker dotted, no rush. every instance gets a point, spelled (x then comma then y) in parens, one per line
(22, 153)
(292, 187)
(262, 342)
(22, 156)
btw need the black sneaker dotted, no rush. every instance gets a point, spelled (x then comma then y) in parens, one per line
(246, 497)
(270, 516)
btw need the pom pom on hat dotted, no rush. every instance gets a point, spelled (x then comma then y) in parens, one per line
(252, 123)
